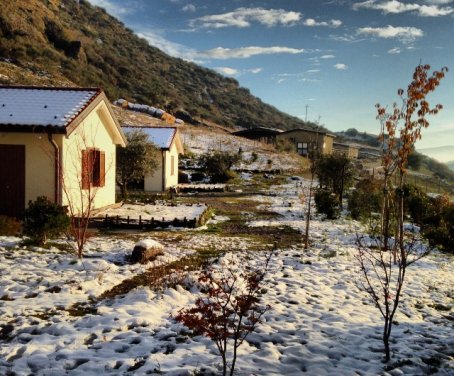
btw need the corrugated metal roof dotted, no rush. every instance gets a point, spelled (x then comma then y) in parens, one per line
(43, 106)
(161, 137)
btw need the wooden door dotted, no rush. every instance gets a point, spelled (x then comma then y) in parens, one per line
(12, 180)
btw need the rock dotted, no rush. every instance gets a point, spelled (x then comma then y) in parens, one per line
(146, 250)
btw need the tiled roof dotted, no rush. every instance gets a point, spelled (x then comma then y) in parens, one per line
(161, 137)
(43, 106)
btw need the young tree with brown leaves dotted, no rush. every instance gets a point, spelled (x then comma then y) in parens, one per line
(384, 270)
(229, 310)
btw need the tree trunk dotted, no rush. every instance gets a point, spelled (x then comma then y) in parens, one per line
(308, 213)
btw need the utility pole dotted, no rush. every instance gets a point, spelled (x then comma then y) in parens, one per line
(305, 119)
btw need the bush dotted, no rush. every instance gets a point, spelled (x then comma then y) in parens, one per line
(197, 176)
(44, 219)
(365, 199)
(9, 226)
(327, 203)
(438, 227)
(416, 203)
(335, 173)
(183, 177)
(285, 145)
(254, 156)
(218, 165)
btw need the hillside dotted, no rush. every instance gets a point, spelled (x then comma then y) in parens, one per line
(418, 161)
(63, 41)
(441, 153)
(450, 165)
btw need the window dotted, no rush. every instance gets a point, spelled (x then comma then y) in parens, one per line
(93, 168)
(301, 148)
(172, 165)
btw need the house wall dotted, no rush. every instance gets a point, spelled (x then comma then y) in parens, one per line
(39, 162)
(154, 182)
(324, 142)
(348, 151)
(328, 144)
(92, 132)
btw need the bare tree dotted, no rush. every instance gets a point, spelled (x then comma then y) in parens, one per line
(384, 268)
(83, 177)
(309, 202)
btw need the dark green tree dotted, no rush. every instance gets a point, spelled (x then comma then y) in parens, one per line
(218, 165)
(134, 161)
(335, 174)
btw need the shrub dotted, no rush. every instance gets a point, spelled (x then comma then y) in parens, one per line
(285, 145)
(218, 165)
(365, 199)
(183, 177)
(327, 203)
(416, 203)
(44, 219)
(230, 307)
(197, 176)
(438, 227)
(9, 226)
(335, 173)
(254, 156)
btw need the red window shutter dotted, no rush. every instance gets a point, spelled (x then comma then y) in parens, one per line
(102, 168)
(85, 169)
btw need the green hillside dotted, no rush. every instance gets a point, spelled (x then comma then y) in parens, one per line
(69, 39)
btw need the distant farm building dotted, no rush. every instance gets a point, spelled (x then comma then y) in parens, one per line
(350, 151)
(307, 140)
(266, 135)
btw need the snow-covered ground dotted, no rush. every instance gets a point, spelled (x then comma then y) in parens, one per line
(256, 156)
(158, 212)
(320, 322)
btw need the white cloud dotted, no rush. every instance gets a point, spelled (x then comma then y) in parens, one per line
(347, 38)
(327, 57)
(243, 17)
(439, 2)
(396, 7)
(189, 8)
(245, 52)
(235, 72)
(311, 71)
(111, 8)
(434, 11)
(173, 49)
(340, 66)
(331, 23)
(394, 51)
(227, 71)
(404, 34)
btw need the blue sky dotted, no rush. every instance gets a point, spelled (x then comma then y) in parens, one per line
(334, 59)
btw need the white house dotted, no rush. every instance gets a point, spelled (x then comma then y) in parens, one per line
(57, 142)
(168, 141)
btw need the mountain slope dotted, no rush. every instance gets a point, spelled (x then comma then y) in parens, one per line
(84, 44)
(441, 153)
(450, 165)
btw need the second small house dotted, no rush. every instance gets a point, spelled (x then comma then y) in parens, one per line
(167, 140)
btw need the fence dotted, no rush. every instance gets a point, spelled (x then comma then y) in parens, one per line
(117, 222)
